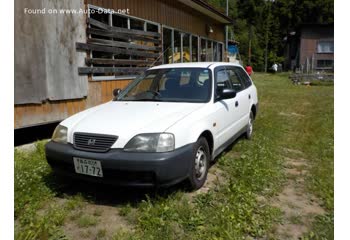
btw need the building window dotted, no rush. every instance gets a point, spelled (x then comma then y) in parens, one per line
(215, 51)
(137, 24)
(194, 45)
(151, 27)
(325, 64)
(177, 47)
(184, 47)
(325, 47)
(167, 45)
(220, 56)
(186, 55)
(143, 50)
(209, 51)
(203, 50)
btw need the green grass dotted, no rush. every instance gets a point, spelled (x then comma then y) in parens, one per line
(253, 170)
(85, 221)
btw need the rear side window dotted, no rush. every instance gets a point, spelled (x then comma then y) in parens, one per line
(223, 79)
(246, 80)
(235, 79)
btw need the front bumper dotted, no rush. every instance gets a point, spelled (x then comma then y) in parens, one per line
(124, 168)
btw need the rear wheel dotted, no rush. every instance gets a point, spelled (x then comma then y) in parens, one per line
(249, 131)
(200, 164)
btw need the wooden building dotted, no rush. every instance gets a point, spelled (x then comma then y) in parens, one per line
(311, 48)
(70, 55)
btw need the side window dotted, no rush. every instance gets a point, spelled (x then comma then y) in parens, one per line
(222, 79)
(246, 80)
(235, 79)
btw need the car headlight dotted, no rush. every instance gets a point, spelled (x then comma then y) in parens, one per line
(151, 142)
(60, 134)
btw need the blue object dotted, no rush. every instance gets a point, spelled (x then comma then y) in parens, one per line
(232, 49)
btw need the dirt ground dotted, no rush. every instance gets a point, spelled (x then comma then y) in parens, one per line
(105, 210)
(298, 206)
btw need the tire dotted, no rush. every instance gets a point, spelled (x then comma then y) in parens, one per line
(249, 131)
(199, 165)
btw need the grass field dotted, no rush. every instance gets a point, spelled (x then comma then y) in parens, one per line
(279, 185)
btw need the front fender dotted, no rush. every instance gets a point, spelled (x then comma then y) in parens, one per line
(190, 128)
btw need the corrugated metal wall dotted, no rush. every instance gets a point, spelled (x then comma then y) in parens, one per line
(168, 12)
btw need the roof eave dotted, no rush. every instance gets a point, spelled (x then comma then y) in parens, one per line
(207, 10)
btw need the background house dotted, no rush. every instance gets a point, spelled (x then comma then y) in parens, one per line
(311, 48)
(66, 62)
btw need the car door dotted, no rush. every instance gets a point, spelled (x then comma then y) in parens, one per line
(226, 110)
(241, 101)
(250, 88)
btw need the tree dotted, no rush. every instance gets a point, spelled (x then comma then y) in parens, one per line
(269, 24)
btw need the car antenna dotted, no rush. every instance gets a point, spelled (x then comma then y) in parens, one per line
(152, 64)
(159, 56)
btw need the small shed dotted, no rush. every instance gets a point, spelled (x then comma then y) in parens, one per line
(70, 55)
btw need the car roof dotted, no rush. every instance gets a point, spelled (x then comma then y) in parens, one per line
(195, 65)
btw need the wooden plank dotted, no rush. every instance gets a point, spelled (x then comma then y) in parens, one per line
(88, 70)
(106, 33)
(70, 108)
(110, 89)
(115, 50)
(122, 44)
(121, 30)
(104, 89)
(107, 61)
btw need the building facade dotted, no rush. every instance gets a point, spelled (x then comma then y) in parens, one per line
(311, 49)
(66, 62)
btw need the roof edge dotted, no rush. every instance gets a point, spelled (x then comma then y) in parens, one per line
(208, 10)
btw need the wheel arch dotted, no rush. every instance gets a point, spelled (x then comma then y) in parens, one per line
(253, 109)
(210, 140)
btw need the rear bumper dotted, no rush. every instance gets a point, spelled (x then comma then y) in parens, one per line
(124, 168)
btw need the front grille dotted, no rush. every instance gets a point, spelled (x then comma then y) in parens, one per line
(93, 142)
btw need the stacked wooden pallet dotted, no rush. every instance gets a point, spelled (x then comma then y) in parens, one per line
(143, 45)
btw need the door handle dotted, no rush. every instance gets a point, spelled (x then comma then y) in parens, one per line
(236, 103)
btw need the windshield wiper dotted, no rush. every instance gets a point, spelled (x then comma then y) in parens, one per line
(148, 99)
(141, 99)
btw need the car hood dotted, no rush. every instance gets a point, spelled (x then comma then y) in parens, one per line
(127, 119)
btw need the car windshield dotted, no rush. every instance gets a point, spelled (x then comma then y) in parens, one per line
(170, 85)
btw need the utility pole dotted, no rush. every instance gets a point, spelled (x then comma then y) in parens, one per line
(226, 27)
(250, 44)
(268, 23)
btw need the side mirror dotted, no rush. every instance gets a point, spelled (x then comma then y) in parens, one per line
(226, 93)
(116, 92)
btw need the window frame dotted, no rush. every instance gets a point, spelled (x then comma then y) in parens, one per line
(216, 70)
(132, 84)
(217, 43)
(243, 74)
(181, 44)
(199, 45)
(160, 30)
(234, 69)
(110, 23)
(324, 67)
(324, 41)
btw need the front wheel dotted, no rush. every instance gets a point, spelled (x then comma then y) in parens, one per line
(199, 164)
(249, 131)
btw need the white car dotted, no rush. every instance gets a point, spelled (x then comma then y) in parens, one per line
(164, 127)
